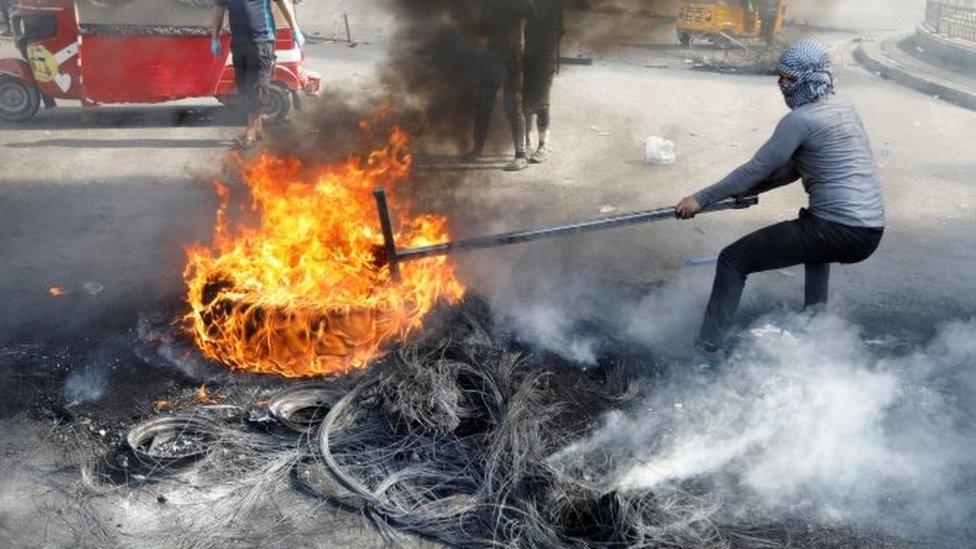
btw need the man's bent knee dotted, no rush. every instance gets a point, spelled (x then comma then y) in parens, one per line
(733, 259)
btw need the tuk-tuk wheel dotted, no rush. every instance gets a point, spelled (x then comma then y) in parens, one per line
(18, 100)
(279, 103)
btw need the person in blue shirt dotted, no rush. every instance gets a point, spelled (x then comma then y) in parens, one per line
(823, 142)
(252, 38)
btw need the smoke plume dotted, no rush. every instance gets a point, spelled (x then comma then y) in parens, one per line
(809, 418)
(432, 70)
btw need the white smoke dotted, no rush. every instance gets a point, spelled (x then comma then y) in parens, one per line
(666, 318)
(543, 311)
(549, 326)
(808, 417)
(87, 383)
(552, 313)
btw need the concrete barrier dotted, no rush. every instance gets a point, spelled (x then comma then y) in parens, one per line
(872, 56)
(952, 51)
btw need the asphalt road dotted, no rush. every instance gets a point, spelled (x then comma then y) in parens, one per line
(112, 195)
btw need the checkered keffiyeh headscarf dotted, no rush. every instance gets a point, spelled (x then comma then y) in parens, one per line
(808, 61)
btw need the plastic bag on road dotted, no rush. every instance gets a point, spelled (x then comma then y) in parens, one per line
(659, 151)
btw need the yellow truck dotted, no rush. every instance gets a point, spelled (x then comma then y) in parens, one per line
(724, 20)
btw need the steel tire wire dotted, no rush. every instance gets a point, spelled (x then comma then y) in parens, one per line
(392, 514)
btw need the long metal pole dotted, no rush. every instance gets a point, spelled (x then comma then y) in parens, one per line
(395, 256)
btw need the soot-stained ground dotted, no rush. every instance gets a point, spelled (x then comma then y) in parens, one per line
(448, 439)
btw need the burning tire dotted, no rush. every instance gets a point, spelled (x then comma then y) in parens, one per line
(301, 291)
(171, 441)
(19, 100)
(292, 343)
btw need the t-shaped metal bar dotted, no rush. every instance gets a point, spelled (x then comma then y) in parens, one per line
(389, 244)
(394, 256)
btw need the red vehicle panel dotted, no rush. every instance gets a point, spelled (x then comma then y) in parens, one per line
(141, 51)
(133, 69)
(18, 68)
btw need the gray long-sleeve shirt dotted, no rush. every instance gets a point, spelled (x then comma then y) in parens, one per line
(825, 144)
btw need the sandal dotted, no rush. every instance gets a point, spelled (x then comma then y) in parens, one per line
(519, 164)
(539, 156)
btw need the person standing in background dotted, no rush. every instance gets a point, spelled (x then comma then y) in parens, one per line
(503, 27)
(252, 44)
(543, 33)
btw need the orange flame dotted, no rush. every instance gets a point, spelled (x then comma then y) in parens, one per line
(203, 396)
(303, 291)
(57, 291)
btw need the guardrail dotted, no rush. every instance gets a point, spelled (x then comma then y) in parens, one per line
(952, 18)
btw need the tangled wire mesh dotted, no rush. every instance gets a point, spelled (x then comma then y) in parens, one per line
(454, 443)
(450, 437)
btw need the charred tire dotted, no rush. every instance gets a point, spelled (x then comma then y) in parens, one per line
(301, 409)
(188, 439)
(19, 100)
(279, 103)
(685, 39)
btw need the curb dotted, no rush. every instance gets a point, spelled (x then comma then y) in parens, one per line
(871, 57)
(949, 50)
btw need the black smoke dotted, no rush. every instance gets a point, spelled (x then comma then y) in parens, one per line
(433, 66)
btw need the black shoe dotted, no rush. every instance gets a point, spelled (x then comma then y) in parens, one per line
(706, 357)
(706, 346)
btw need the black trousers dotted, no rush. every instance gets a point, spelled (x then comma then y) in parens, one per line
(253, 65)
(810, 241)
(500, 69)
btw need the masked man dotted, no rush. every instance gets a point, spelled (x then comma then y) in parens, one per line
(823, 142)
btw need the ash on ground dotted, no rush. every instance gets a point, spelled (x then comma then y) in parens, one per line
(447, 439)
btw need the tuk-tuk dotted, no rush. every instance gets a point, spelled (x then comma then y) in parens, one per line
(132, 51)
(718, 20)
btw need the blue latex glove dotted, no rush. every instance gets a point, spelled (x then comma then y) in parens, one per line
(215, 47)
(299, 37)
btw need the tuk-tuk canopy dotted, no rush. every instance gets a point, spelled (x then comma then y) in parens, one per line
(165, 17)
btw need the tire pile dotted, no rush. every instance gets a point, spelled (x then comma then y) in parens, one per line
(449, 438)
